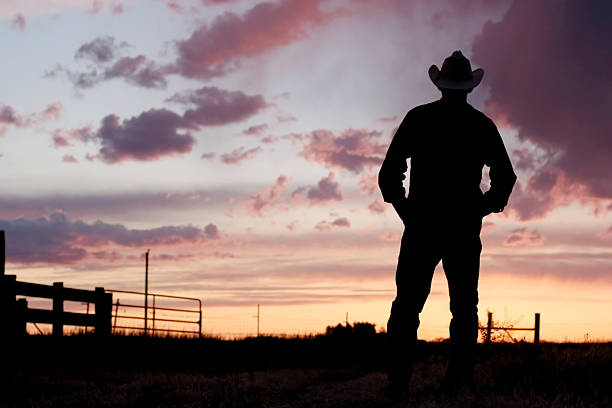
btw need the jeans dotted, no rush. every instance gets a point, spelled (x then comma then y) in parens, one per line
(424, 244)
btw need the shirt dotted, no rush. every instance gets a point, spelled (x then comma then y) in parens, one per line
(448, 143)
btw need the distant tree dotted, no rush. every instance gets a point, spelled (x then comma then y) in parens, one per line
(358, 329)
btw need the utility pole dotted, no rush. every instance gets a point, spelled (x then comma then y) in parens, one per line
(146, 290)
(258, 320)
(346, 319)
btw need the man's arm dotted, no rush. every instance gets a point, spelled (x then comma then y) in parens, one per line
(501, 173)
(391, 174)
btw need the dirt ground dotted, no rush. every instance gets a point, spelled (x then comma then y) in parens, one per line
(296, 373)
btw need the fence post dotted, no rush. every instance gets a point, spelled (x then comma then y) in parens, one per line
(2, 253)
(489, 327)
(536, 329)
(200, 322)
(104, 307)
(58, 309)
(20, 318)
(7, 303)
(116, 313)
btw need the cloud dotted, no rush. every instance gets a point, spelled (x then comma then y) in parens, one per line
(377, 206)
(215, 2)
(214, 106)
(19, 22)
(238, 155)
(175, 6)
(607, 234)
(208, 156)
(353, 149)
(117, 9)
(256, 204)
(544, 191)
(392, 120)
(63, 138)
(255, 130)
(161, 132)
(390, 236)
(149, 136)
(137, 71)
(96, 7)
(57, 240)
(100, 50)
(8, 115)
(368, 183)
(326, 190)
(523, 237)
(552, 82)
(107, 204)
(325, 226)
(106, 63)
(68, 158)
(220, 47)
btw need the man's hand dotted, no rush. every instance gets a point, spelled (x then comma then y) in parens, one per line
(488, 207)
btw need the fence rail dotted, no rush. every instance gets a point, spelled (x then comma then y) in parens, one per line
(153, 309)
(535, 329)
(16, 313)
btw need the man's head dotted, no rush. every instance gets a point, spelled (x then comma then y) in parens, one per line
(456, 75)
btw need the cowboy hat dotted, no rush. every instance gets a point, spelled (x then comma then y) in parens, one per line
(456, 73)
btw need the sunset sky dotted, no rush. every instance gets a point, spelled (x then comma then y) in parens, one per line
(240, 141)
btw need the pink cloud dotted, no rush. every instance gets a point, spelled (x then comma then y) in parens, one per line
(109, 256)
(523, 237)
(325, 226)
(378, 206)
(96, 7)
(368, 183)
(8, 115)
(208, 156)
(100, 50)
(256, 204)
(19, 22)
(175, 6)
(104, 53)
(487, 227)
(68, 158)
(219, 47)
(149, 136)
(352, 150)
(155, 133)
(239, 155)
(390, 236)
(552, 83)
(117, 9)
(57, 240)
(292, 226)
(214, 106)
(388, 120)
(255, 130)
(63, 138)
(109, 204)
(326, 190)
(546, 190)
(215, 2)
(607, 234)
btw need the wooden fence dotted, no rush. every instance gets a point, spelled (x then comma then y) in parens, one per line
(535, 328)
(15, 313)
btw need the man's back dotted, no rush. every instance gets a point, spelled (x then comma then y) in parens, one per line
(448, 143)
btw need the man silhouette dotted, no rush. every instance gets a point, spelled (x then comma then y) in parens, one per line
(448, 142)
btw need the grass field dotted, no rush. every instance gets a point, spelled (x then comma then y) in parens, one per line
(124, 371)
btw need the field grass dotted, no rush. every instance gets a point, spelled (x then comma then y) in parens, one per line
(133, 371)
